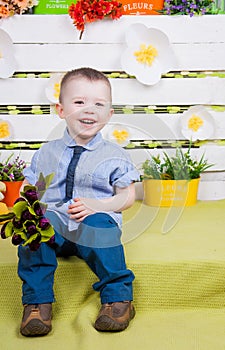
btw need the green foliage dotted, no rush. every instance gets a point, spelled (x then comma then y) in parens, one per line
(181, 166)
(12, 168)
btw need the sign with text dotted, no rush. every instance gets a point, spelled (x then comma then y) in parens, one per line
(148, 7)
(52, 7)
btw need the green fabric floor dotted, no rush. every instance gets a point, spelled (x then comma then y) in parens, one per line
(178, 257)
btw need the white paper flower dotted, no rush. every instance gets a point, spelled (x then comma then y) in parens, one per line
(7, 59)
(197, 123)
(148, 54)
(52, 89)
(119, 133)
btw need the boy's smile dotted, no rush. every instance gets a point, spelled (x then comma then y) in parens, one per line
(86, 107)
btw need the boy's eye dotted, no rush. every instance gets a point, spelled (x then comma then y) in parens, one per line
(99, 104)
(79, 102)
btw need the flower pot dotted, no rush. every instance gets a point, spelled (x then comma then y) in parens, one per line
(12, 192)
(170, 193)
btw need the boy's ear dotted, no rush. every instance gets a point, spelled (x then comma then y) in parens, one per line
(59, 109)
(111, 112)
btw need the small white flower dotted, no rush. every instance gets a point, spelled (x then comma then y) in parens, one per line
(7, 59)
(119, 133)
(148, 54)
(52, 89)
(197, 123)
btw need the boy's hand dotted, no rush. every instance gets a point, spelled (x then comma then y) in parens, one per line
(80, 208)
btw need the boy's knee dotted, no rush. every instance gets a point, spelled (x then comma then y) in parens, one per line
(101, 220)
(98, 231)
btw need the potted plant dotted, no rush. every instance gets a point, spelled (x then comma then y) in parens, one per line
(188, 7)
(10, 8)
(11, 173)
(172, 180)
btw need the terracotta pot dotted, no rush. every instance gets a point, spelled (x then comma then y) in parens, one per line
(12, 192)
(170, 193)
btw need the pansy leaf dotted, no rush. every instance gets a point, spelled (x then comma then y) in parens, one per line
(31, 239)
(42, 205)
(31, 210)
(9, 229)
(20, 233)
(19, 207)
(48, 179)
(46, 234)
(43, 183)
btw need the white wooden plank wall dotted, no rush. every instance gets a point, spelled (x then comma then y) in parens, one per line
(50, 43)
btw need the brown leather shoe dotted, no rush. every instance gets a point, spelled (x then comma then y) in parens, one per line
(114, 317)
(36, 320)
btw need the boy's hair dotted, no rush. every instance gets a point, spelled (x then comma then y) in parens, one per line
(85, 73)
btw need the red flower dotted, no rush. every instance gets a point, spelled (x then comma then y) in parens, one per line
(89, 11)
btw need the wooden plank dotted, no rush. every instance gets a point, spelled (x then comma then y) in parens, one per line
(33, 127)
(141, 126)
(196, 29)
(106, 57)
(168, 91)
(161, 126)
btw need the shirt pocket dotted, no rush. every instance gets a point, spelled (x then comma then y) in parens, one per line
(98, 184)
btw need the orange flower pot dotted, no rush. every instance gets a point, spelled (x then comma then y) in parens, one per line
(12, 192)
(147, 7)
(170, 193)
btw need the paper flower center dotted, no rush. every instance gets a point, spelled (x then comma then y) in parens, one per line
(56, 90)
(195, 122)
(4, 130)
(120, 135)
(1, 55)
(146, 54)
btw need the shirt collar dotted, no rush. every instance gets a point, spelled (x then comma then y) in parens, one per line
(91, 145)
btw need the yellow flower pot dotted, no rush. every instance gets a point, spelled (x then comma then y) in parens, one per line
(170, 193)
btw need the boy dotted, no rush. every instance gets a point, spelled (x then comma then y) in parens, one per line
(86, 215)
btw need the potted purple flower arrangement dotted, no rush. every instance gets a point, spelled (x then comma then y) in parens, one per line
(26, 223)
(188, 7)
(11, 173)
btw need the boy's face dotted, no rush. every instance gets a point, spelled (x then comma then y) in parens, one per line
(86, 107)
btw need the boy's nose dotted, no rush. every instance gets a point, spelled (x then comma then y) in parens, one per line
(89, 109)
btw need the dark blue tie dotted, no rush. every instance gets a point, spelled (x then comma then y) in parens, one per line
(70, 174)
(71, 171)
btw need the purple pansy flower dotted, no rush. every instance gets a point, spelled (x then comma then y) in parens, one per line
(30, 227)
(31, 196)
(26, 215)
(44, 223)
(35, 244)
(16, 239)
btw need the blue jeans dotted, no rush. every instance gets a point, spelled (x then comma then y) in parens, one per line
(36, 268)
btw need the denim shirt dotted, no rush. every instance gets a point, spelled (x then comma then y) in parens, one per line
(102, 166)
